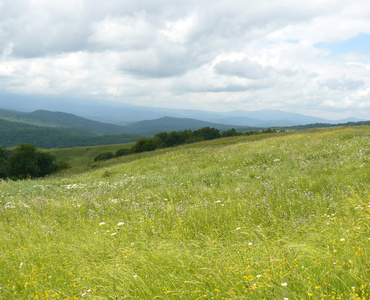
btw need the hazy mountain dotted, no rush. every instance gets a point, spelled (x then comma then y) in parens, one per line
(61, 120)
(172, 124)
(116, 112)
(48, 129)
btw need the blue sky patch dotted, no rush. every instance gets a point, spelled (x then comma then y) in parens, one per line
(360, 43)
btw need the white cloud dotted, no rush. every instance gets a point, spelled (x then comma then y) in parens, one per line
(242, 68)
(126, 33)
(217, 55)
(343, 84)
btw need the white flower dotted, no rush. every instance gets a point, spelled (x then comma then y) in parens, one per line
(342, 240)
(114, 233)
(102, 223)
(284, 284)
(237, 228)
(135, 276)
(120, 223)
(250, 244)
(258, 276)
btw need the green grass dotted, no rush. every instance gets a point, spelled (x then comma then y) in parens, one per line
(81, 157)
(264, 217)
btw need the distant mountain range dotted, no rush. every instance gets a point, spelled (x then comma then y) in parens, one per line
(118, 113)
(261, 118)
(50, 129)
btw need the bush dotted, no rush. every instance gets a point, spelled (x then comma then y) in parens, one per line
(26, 162)
(122, 152)
(145, 144)
(230, 132)
(4, 155)
(104, 156)
(208, 133)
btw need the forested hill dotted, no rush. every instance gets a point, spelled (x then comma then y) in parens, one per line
(61, 120)
(174, 124)
(56, 138)
(47, 129)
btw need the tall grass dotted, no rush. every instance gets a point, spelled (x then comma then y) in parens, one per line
(281, 216)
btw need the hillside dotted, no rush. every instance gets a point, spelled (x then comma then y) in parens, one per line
(114, 113)
(48, 129)
(259, 217)
(61, 120)
(55, 138)
(172, 124)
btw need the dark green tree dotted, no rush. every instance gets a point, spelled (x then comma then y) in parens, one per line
(122, 152)
(23, 162)
(4, 155)
(208, 133)
(230, 132)
(104, 156)
(145, 144)
(46, 163)
(26, 162)
(162, 139)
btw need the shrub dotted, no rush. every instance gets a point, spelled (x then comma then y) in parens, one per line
(122, 152)
(25, 161)
(145, 144)
(104, 156)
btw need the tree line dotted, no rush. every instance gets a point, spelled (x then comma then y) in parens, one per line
(48, 138)
(174, 138)
(25, 161)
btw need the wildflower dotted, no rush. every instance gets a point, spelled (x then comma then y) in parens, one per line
(101, 223)
(135, 276)
(237, 228)
(250, 244)
(114, 233)
(342, 240)
(21, 265)
(284, 284)
(120, 223)
(258, 276)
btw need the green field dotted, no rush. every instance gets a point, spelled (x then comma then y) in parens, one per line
(82, 157)
(273, 216)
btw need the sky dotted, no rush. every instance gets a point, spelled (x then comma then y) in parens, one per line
(310, 57)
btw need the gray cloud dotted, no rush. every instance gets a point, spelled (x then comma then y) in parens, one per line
(242, 68)
(342, 84)
(219, 50)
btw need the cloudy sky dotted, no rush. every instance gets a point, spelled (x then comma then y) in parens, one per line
(310, 57)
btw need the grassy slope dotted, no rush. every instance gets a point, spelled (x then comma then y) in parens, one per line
(269, 216)
(81, 157)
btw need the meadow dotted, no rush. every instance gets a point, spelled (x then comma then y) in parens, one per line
(82, 158)
(273, 216)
